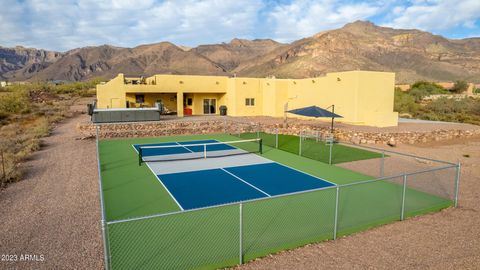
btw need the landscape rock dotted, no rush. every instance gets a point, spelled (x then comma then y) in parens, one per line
(233, 125)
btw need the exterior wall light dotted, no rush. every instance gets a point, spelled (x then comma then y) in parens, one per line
(313, 81)
(244, 82)
(180, 82)
(338, 79)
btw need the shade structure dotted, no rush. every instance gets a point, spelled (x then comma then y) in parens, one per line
(315, 111)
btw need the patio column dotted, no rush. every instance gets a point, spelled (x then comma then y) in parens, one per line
(180, 104)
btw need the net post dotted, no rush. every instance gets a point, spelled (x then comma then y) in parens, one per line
(457, 182)
(382, 164)
(241, 234)
(402, 214)
(260, 142)
(276, 138)
(140, 155)
(205, 151)
(335, 224)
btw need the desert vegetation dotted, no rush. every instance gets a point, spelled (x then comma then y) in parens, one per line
(27, 113)
(412, 103)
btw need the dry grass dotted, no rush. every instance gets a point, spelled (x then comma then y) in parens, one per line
(28, 113)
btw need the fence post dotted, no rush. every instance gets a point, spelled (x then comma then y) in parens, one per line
(300, 143)
(225, 125)
(457, 182)
(102, 207)
(336, 215)
(4, 173)
(241, 233)
(330, 153)
(382, 164)
(402, 214)
(276, 138)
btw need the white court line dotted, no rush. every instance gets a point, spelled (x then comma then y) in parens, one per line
(245, 182)
(135, 148)
(306, 173)
(184, 147)
(159, 180)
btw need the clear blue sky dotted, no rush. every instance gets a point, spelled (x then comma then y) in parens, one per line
(66, 24)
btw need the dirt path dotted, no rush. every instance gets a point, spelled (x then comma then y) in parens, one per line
(446, 240)
(54, 213)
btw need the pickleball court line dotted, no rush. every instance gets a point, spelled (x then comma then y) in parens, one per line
(245, 182)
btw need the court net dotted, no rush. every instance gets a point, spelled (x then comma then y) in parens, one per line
(185, 151)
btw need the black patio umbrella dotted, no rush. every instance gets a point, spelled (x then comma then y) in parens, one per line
(314, 111)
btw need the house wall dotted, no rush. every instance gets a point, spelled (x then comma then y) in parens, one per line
(361, 97)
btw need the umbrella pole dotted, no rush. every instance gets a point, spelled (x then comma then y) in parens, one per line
(331, 127)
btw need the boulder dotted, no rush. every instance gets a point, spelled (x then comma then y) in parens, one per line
(392, 142)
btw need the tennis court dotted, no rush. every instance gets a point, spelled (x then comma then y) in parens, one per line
(235, 175)
(214, 200)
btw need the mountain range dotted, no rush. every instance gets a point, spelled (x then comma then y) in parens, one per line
(412, 54)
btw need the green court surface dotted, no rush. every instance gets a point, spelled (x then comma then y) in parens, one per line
(211, 238)
(311, 148)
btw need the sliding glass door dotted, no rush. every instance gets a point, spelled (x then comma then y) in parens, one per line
(209, 106)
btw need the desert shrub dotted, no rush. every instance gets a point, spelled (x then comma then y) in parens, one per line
(41, 128)
(447, 105)
(421, 89)
(466, 110)
(459, 87)
(14, 102)
(77, 88)
(404, 103)
(476, 91)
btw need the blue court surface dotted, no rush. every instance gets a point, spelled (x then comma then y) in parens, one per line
(215, 181)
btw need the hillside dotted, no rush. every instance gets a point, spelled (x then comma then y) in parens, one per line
(412, 54)
(238, 51)
(21, 63)
(107, 61)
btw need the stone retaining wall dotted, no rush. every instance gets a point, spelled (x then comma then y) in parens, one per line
(173, 127)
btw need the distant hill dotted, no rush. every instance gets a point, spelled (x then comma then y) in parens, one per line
(21, 63)
(412, 54)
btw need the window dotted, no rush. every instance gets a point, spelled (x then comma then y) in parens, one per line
(139, 99)
(249, 102)
(189, 101)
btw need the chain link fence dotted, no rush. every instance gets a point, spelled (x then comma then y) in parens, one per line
(400, 186)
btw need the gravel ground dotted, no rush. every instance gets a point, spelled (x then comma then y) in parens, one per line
(449, 239)
(53, 213)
